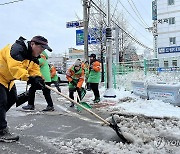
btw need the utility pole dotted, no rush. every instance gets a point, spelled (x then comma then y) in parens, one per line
(102, 49)
(155, 34)
(117, 43)
(122, 46)
(110, 91)
(85, 21)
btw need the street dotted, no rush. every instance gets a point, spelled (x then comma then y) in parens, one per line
(64, 123)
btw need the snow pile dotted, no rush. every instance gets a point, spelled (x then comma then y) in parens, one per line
(155, 108)
(165, 77)
(128, 103)
(146, 131)
(24, 127)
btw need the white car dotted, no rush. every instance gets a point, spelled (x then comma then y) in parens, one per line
(62, 76)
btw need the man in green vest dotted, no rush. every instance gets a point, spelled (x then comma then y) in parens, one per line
(45, 71)
(94, 76)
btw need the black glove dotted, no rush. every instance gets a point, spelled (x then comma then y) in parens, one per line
(37, 82)
(78, 89)
(73, 83)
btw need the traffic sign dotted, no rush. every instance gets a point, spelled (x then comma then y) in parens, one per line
(76, 24)
(92, 36)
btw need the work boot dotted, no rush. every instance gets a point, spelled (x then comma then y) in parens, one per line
(97, 100)
(72, 105)
(49, 108)
(6, 136)
(28, 107)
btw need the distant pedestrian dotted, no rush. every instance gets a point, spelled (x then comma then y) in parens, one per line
(94, 77)
(45, 71)
(54, 77)
(75, 76)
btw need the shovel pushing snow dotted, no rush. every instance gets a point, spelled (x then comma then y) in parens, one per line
(113, 125)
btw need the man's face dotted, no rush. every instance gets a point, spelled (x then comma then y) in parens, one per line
(91, 58)
(77, 68)
(36, 49)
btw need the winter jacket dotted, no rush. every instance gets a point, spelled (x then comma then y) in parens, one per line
(17, 63)
(94, 72)
(76, 77)
(86, 70)
(54, 76)
(44, 67)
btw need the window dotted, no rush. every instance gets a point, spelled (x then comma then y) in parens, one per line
(174, 62)
(170, 2)
(165, 63)
(172, 40)
(172, 20)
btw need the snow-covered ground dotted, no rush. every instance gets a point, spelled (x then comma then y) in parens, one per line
(166, 77)
(152, 125)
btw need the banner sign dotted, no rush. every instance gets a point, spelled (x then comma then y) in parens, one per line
(154, 10)
(168, 49)
(169, 69)
(165, 20)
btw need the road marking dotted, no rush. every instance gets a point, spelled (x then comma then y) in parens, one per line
(78, 116)
(59, 132)
(71, 131)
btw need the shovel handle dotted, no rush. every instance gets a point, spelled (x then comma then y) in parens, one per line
(97, 116)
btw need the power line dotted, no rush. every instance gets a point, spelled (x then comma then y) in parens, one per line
(138, 12)
(128, 34)
(11, 2)
(131, 15)
(147, 14)
(115, 8)
(137, 31)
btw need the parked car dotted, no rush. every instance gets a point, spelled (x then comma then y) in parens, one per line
(62, 76)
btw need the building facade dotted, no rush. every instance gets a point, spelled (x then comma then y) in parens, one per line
(79, 54)
(168, 28)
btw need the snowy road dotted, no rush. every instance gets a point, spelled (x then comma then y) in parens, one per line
(154, 127)
(64, 123)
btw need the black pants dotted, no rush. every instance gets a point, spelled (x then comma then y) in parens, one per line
(94, 87)
(46, 93)
(7, 100)
(71, 94)
(56, 83)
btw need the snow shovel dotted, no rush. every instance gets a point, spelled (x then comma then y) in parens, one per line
(113, 125)
(86, 105)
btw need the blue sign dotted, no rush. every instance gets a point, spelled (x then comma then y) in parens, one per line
(170, 69)
(154, 10)
(168, 49)
(91, 36)
(74, 24)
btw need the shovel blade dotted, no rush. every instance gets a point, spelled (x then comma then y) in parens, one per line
(86, 105)
(117, 129)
